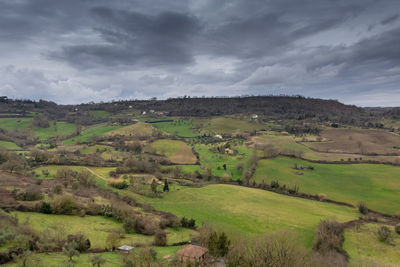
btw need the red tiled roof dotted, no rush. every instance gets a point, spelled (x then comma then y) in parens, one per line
(192, 251)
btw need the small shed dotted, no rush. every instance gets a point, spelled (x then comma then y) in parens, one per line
(124, 249)
(192, 253)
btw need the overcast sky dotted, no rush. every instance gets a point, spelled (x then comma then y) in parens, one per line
(74, 51)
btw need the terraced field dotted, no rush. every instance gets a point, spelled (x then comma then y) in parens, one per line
(246, 211)
(376, 184)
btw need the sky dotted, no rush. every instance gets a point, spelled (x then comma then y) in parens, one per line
(78, 51)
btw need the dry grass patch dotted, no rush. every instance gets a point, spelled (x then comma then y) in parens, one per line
(139, 129)
(176, 151)
(357, 141)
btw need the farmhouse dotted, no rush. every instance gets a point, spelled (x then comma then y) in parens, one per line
(124, 249)
(192, 253)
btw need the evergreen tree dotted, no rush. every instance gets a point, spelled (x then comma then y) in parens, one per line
(166, 186)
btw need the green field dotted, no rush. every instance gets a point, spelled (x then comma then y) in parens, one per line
(14, 124)
(60, 129)
(9, 145)
(98, 129)
(182, 128)
(215, 161)
(53, 170)
(96, 228)
(176, 151)
(229, 125)
(363, 245)
(246, 211)
(376, 184)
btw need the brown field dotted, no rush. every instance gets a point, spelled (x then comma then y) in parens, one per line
(359, 141)
(139, 129)
(286, 144)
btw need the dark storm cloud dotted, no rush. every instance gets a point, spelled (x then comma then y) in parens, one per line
(134, 38)
(390, 19)
(118, 49)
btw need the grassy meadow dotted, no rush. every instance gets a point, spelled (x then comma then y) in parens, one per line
(9, 145)
(96, 228)
(215, 160)
(14, 124)
(242, 211)
(363, 246)
(58, 129)
(176, 151)
(182, 128)
(376, 184)
(87, 132)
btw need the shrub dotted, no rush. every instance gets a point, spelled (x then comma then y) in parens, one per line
(129, 224)
(45, 208)
(274, 184)
(64, 205)
(322, 196)
(384, 234)
(160, 238)
(58, 189)
(145, 226)
(362, 207)
(97, 260)
(113, 240)
(188, 223)
(397, 228)
(277, 249)
(70, 250)
(82, 243)
(28, 195)
(119, 185)
(5, 236)
(329, 237)
(218, 244)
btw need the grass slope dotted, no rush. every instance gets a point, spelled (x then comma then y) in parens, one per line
(215, 161)
(377, 185)
(96, 228)
(363, 246)
(97, 129)
(15, 123)
(228, 125)
(61, 128)
(246, 211)
(9, 145)
(137, 129)
(176, 151)
(182, 128)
